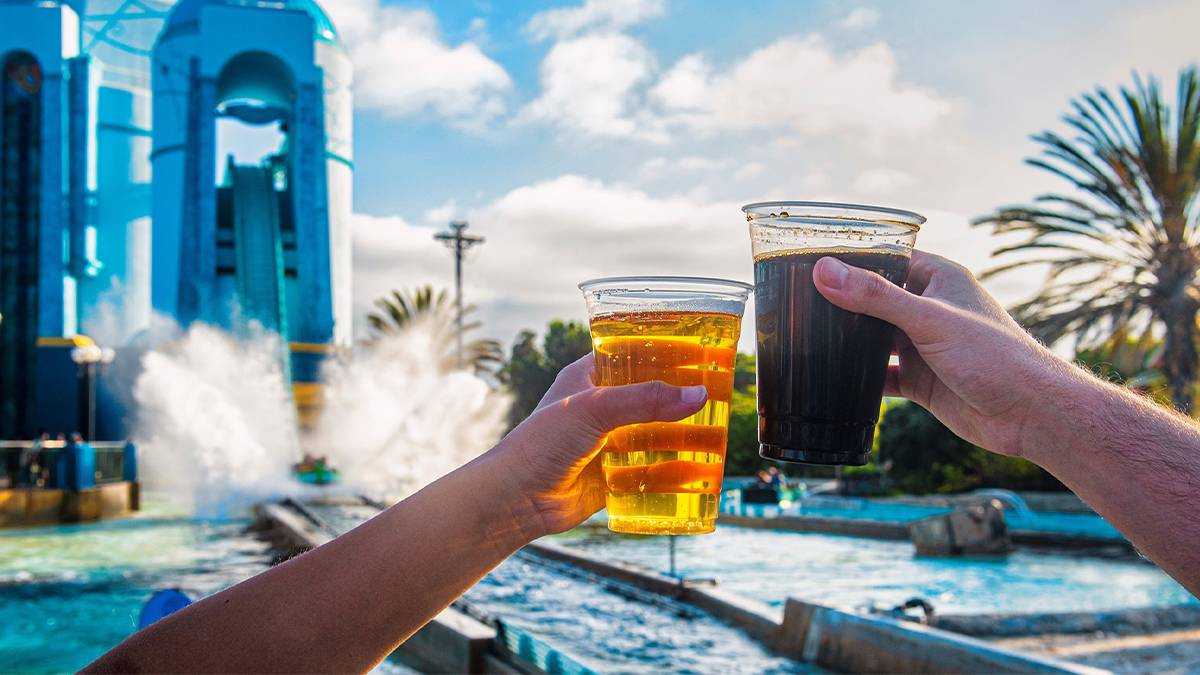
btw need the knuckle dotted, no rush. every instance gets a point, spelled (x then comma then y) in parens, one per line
(875, 287)
(594, 411)
(562, 376)
(662, 394)
(963, 271)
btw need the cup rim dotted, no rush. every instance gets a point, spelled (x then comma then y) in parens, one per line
(739, 289)
(910, 220)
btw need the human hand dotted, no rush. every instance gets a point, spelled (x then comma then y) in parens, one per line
(552, 459)
(962, 357)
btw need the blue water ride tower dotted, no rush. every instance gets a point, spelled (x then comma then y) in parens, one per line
(52, 221)
(265, 241)
(190, 158)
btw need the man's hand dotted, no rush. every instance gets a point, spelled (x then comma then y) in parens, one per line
(965, 360)
(961, 356)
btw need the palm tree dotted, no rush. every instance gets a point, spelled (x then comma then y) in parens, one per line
(1123, 253)
(403, 309)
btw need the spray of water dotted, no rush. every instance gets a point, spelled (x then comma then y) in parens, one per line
(215, 422)
(217, 427)
(396, 419)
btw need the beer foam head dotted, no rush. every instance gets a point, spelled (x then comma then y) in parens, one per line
(796, 226)
(618, 295)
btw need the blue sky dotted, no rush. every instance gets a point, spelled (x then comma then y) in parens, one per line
(595, 138)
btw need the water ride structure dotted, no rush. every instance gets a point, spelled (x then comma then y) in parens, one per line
(191, 161)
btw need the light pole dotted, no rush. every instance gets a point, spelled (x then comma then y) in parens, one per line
(87, 357)
(459, 242)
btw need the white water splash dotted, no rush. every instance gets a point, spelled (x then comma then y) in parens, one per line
(217, 430)
(216, 427)
(395, 420)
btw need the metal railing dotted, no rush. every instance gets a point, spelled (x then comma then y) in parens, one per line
(518, 644)
(31, 464)
(110, 462)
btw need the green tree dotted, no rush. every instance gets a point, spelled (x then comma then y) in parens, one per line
(531, 369)
(921, 456)
(741, 455)
(403, 309)
(1123, 252)
(1130, 361)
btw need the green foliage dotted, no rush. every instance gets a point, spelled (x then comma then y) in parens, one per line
(1121, 249)
(402, 309)
(745, 374)
(531, 370)
(1129, 361)
(920, 455)
(741, 457)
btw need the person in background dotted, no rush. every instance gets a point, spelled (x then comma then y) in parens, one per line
(33, 459)
(346, 605)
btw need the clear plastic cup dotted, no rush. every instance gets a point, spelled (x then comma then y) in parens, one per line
(821, 369)
(665, 477)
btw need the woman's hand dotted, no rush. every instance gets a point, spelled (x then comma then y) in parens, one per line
(552, 460)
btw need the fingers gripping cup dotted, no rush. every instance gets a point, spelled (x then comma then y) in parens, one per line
(665, 477)
(821, 369)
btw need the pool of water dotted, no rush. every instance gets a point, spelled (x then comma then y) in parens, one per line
(852, 572)
(600, 624)
(1070, 524)
(70, 593)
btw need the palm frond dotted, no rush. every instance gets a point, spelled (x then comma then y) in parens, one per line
(400, 310)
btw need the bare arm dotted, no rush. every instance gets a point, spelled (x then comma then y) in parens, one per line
(965, 360)
(346, 605)
(1136, 462)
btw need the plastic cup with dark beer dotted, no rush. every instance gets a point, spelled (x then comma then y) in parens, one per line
(821, 369)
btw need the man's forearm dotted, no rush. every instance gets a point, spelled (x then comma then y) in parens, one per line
(390, 575)
(1135, 462)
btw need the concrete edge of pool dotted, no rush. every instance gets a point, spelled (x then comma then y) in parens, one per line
(830, 638)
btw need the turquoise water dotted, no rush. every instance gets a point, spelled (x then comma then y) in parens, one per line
(1077, 524)
(851, 572)
(70, 593)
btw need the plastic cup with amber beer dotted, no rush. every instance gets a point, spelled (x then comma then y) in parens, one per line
(665, 477)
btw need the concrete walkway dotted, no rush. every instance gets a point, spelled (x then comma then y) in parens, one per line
(1176, 651)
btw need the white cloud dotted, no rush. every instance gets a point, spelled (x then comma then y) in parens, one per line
(392, 253)
(660, 166)
(403, 66)
(882, 181)
(590, 85)
(593, 15)
(750, 171)
(816, 183)
(857, 92)
(860, 18)
(544, 238)
(440, 215)
(599, 82)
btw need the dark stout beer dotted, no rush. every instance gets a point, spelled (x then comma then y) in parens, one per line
(821, 369)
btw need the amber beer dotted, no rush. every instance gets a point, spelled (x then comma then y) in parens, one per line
(665, 477)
